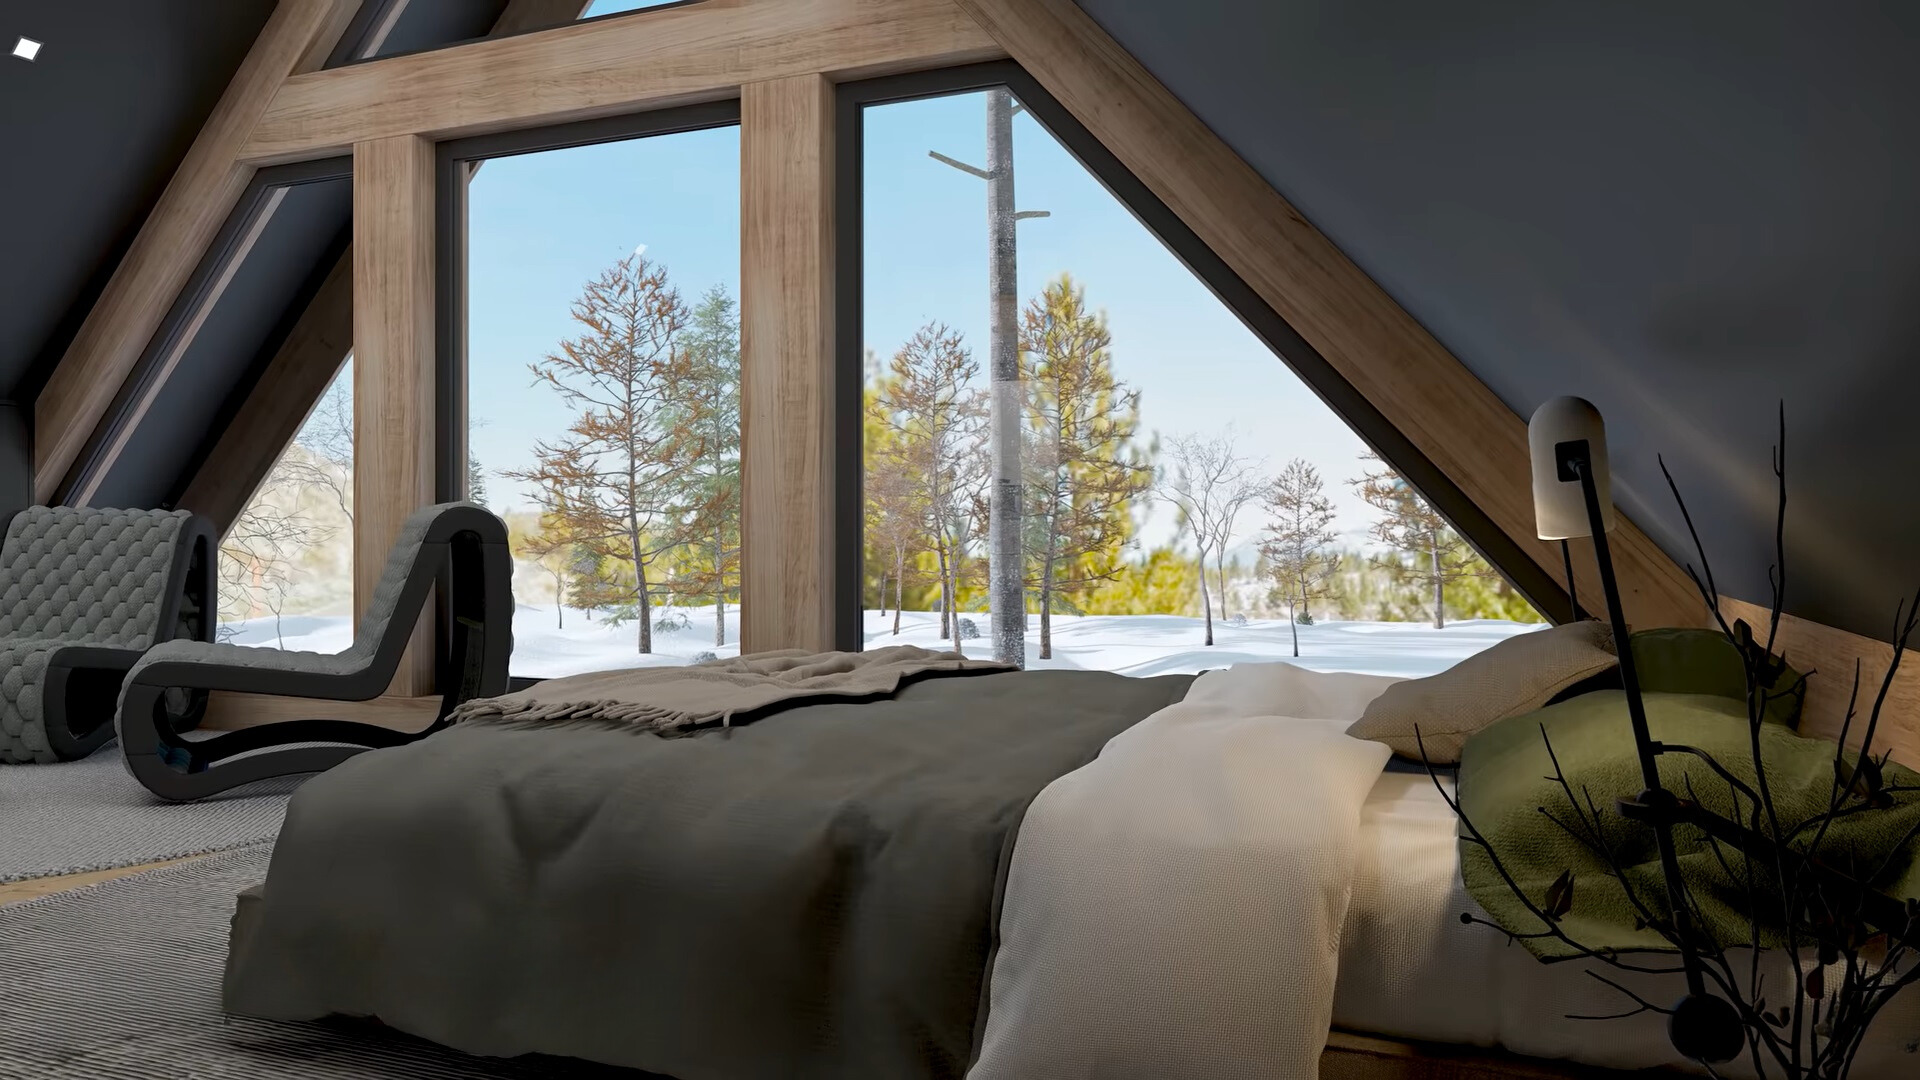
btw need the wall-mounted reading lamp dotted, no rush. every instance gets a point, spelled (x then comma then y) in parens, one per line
(1572, 496)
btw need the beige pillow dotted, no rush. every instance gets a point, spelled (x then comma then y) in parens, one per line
(1516, 676)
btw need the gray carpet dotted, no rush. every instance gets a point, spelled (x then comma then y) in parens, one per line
(121, 980)
(91, 815)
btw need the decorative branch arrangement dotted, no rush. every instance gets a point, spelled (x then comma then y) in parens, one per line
(1811, 905)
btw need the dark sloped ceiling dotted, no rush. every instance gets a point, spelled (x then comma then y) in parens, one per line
(92, 131)
(1685, 212)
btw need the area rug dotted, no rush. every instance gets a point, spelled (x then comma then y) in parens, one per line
(122, 980)
(91, 815)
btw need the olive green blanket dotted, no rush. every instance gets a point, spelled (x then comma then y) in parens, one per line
(1507, 779)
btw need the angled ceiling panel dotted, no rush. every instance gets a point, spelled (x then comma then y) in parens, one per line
(92, 130)
(1684, 212)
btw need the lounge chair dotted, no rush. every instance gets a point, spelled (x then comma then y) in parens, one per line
(459, 545)
(84, 593)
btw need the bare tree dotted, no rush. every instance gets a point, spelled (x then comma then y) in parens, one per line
(1425, 547)
(1299, 542)
(1209, 482)
(1006, 588)
(622, 460)
(932, 410)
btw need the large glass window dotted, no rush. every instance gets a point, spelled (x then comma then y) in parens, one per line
(1077, 456)
(286, 563)
(603, 398)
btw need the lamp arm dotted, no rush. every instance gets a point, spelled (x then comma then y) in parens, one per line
(1701, 1026)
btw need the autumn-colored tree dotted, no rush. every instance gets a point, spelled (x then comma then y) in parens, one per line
(1298, 548)
(622, 462)
(932, 409)
(1209, 483)
(1424, 547)
(896, 502)
(707, 414)
(1083, 470)
(552, 547)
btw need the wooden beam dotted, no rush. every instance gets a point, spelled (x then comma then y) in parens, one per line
(393, 384)
(786, 364)
(1830, 655)
(646, 60)
(1427, 394)
(313, 352)
(233, 711)
(203, 192)
(34, 888)
(1368, 1057)
(279, 402)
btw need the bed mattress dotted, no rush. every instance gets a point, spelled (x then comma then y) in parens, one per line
(1410, 969)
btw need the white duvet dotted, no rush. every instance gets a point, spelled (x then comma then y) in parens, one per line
(1173, 909)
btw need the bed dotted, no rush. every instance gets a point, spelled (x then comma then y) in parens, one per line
(1202, 882)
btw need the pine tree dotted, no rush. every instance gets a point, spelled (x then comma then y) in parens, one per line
(1209, 483)
(1083, 470)
(1298, 547)
(706, 413)
(1425, 548)
(932, 409)
(622, 462)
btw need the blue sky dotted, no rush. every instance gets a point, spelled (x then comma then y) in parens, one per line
(540, 225)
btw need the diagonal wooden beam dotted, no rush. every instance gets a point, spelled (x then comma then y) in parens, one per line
(203, 191)
(1445, 410)
(313, 353)
(644, 60)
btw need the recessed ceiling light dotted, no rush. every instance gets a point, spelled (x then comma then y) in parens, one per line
(27, 49)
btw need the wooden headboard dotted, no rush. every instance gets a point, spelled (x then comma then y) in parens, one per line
(1830, 654)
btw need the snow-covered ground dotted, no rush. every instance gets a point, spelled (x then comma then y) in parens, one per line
(1130, 644)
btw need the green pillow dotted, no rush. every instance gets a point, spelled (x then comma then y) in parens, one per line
(1678, 660)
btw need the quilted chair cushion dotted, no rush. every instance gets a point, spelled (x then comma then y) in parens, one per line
(74, 576)
(23, 728)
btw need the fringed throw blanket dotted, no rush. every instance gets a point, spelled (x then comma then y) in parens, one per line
(670, 700)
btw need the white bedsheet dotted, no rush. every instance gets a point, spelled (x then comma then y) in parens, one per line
(1410, 969)
(1173, 908)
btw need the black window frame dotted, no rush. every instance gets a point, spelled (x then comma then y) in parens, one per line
(1538, 586)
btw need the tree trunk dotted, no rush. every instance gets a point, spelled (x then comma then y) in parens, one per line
(1295, 625)
(719, 590)
(560, 601)
(1206, 597)
(946, 595)
(899, 588)
(1221, 563)
(1439, 585)
(646, 608)
(1046, 603)
(1006, 572)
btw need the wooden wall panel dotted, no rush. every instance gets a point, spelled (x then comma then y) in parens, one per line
(1427, 394)
(294, 379)
(202, 193)
(393, 384)
(654, 59)
(787, 364)
(1829, 655)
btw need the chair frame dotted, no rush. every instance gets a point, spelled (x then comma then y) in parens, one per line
(464, 552)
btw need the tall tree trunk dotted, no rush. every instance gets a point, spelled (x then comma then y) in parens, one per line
(1439, 585)
(1006, 576)
(946, 592)
(953, 602)
(1046, 602)
(719, 590)
(1294, 623)
(560, 601)
(1206, 597)
(646, 608)
(1221, 563)
(899, 587)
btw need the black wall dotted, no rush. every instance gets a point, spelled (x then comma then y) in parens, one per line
(1685, 212)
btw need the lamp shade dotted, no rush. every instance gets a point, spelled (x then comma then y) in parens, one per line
(1559, 506)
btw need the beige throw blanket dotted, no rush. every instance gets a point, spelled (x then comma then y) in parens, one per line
(665, 700)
